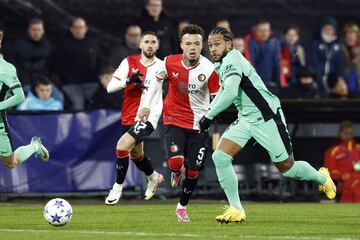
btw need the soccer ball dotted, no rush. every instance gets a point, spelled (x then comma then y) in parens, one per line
(58, 212)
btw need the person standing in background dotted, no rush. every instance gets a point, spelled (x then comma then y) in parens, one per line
(292, 55)
(239, 44)
(343, 161)
(263, 51)
(154, 19)
(350, 47)
(78, 62)
(31, 54)
(131, 46)
(325, 56)
(101, 98)
(41, 100)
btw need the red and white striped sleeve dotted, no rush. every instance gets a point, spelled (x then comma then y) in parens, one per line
(118, 80)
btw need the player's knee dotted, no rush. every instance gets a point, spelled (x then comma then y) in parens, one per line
(121, 147)
(136, 153)
(285, 165)
(125, 143)
(9, 162)
(221, 158)
(11, 165)
(175, 163)
(122, 153)
(136, 158)
(191, 173)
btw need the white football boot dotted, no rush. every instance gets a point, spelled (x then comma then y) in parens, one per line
(114, 195)
(152, 185)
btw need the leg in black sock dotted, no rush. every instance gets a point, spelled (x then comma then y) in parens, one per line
(122, 165)
(144, 165)
(188, 188)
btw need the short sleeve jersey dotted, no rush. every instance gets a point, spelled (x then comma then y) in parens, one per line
(189, 92)
(135, 95)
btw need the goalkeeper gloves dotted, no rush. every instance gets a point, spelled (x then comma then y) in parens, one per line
(135, 78)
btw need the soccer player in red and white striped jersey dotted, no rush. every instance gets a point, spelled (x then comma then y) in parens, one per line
(192, 80)
(134, 75)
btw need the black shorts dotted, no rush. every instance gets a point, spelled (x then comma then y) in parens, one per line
(188, 143)
(139, 131)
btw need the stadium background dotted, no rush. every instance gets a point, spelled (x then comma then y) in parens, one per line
(315, 125)
(109, 18)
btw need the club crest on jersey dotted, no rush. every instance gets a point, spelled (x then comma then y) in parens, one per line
(201, 77)
(134, 70)
(175, 74)
(174, 148)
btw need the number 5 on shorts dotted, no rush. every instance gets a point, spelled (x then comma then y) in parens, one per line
(200, 156)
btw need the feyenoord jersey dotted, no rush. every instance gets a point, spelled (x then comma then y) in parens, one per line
(135, 95)
(189, 93)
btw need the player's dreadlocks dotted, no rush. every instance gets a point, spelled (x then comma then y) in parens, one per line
(222, 31)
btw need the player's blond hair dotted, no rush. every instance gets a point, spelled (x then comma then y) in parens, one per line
(1, 35)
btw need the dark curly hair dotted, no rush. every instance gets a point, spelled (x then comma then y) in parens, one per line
(192, 29)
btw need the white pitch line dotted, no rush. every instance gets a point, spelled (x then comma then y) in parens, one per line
(150, 234)
(140, 234)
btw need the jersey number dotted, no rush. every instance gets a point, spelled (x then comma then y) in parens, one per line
(138, 126)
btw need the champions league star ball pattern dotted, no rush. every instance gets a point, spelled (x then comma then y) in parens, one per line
(58, 212)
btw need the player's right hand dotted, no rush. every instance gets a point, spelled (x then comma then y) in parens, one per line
(204, 124)
(135, 78)
(144, 114)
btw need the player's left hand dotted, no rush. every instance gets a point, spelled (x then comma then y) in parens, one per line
(204, 124)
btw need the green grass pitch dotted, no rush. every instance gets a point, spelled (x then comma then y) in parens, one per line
(157, 221)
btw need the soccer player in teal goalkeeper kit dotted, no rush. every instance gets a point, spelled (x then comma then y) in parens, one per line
(260, 116)
(11, 94)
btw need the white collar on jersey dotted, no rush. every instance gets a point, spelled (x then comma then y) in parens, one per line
(188, 68)
(148, 65)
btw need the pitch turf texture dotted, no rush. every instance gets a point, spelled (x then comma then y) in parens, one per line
(157, 221)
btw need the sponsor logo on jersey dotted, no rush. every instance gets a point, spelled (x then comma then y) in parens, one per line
(229, 68)
(188, 88)
(175, 74)
(134, 70)
(201, 77)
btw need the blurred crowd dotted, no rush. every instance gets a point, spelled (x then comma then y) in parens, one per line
(72, 73)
